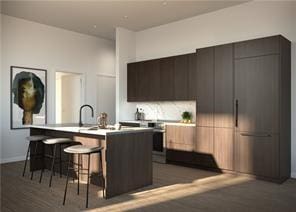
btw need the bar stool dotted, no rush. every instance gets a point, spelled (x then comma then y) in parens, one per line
(54, 143)
(33, 139)
(83, 150)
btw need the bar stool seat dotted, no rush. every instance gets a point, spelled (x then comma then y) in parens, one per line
(37, 137)
(54, 143)
(33, 139)
(84, 150)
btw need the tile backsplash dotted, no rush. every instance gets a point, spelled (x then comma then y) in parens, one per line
(167, 110)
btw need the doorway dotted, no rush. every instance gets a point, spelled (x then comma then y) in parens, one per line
(106, 96)
(68, 97)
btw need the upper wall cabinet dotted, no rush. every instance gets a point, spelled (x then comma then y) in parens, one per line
(181, 77)
(257, 47)
(167, 76)
(165, 79)
(192, 76)
(132, 81)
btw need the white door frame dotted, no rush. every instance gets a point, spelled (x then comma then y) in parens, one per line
(82, 97)
(108, 76)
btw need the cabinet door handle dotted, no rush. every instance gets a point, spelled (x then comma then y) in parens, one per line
(255, 135)
(236, 113)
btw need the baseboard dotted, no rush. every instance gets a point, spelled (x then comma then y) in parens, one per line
(293, 175)
(13, 159)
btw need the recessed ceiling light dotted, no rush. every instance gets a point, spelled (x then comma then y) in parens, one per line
(125, 16)
(95, 26)
(164, 3)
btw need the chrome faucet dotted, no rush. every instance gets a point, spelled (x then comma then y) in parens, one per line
(92, 113)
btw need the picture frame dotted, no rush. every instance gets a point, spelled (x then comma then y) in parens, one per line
(28, 97)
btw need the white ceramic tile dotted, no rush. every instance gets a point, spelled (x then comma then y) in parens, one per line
(167, 110)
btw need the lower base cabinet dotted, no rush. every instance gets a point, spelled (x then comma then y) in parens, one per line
(180, 138)
(224, 148)
(257, 154)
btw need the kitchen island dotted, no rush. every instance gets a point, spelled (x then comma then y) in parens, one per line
(126, 157)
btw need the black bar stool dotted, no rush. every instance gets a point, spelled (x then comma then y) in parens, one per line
(54, 143)
(33, 139)
(83, 150)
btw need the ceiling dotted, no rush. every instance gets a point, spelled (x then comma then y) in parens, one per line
(99, 18)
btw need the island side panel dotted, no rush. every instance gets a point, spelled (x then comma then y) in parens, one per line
(128, 162)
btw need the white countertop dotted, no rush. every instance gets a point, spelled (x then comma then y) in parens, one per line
(86, 129)
(180, 124)
(176, 123)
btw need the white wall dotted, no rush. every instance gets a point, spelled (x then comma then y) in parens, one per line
(242, 22)
(31, 44)
(125, 53)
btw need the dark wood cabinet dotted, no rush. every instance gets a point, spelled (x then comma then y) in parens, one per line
(165, 79)
(257, 93)
(243, 104)
(132, 81)
(257, 47)
(262, 91)
(257, 154)
(152, 79)
(223, 86)
(205, 88)
(192, 76)
(181, 77)
(166, 91)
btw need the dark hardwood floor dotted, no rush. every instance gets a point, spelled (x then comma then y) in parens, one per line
(174, 188)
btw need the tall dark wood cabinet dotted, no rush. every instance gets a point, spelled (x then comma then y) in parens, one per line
(214, 108)
(263, 113)
(223, 107)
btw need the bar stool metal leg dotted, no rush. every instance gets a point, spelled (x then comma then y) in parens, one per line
(35, 153)
(42, 170)
(69, 159)
(60, 160)
(78, 170)
(87, 188)
(52, 165)
(102, 177)
(26, 159)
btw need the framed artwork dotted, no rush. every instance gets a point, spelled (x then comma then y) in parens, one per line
(28, 99)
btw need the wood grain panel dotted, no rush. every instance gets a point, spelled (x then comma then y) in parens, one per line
(180, 137)
(132, 80)
(224, 148)
(257, 47)
(129, 162)
(257, 91)
(285, 109)
(205, 87)
(257, 154)
(204, 140)
(224, 91)
(181, 77)
(166, 91)
(152, 76)
(192, 76)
